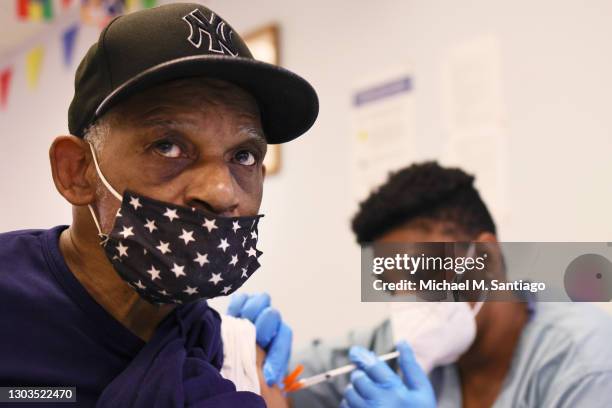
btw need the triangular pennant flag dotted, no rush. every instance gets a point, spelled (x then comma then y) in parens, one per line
(68, 38)
(47, 9)
(33, 63)
(148, 3)
(66, 3)
(23, 9)
(5, 81)
(35, 10)
(130, 5)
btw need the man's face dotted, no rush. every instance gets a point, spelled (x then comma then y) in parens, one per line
(195, 142)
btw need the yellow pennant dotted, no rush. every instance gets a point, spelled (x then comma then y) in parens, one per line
(35, 11)
(33, 64)
(130, 5)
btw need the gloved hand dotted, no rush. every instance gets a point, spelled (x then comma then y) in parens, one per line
(272, 334)
(375, 385)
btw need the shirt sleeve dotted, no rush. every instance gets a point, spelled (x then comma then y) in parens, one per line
(239, 353)
(593, 391)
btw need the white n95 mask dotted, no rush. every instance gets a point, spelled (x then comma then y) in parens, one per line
(438, 332)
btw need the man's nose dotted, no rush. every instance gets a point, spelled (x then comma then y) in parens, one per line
(213, 189)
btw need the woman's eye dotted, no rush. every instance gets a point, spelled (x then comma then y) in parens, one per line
(245, 158)
(168, 149)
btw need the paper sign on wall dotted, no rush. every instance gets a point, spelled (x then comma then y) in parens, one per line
(382, 133)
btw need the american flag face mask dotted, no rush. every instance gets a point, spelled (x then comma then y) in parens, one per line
(176, 254)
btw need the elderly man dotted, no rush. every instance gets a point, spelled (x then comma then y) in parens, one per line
(169, 125)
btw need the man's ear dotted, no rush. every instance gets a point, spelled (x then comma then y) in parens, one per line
(486, 237)
(263, 171)
(70, 162)
(486, 243)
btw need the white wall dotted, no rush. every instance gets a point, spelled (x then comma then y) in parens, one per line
(556, 61)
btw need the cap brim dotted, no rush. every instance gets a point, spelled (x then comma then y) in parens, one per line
(287, 102)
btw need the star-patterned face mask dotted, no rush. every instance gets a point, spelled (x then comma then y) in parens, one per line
(176, 254)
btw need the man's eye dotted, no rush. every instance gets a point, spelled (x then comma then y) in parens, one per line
(168, 149)
(245, 158)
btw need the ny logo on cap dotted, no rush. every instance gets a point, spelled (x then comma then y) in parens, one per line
(219, 34)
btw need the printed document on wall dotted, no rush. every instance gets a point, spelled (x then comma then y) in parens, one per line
(475, 117)
(382, 134)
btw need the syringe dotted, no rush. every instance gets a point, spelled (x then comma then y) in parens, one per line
(319, 378)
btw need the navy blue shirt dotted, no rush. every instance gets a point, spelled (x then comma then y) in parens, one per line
(53, 333)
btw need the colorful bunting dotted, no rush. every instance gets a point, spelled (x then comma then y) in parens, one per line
(68, 40)
(5, 81)
(33, 64)
(97, 12)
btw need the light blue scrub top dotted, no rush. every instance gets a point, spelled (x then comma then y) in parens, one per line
(563, 359)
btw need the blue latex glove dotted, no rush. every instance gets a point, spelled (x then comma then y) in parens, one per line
(272, 334)
(375, 385)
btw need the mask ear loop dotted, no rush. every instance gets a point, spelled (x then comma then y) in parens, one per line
(103, 236)
(470, 254)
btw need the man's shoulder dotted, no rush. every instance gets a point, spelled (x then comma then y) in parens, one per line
(20, 239)
(579, 324)
(568, 340)
(563, 353)
(25, 253)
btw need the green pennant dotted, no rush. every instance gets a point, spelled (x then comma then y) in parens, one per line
(148, 3)
(47, 6)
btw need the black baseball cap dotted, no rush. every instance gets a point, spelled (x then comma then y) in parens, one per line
(145, 48)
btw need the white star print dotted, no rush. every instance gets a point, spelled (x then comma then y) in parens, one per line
(187, 236)
(140, 285)
(244, 273)
(216, 278)
(223, 245)
(178, 301)
(127, 232)
(150, 225)
(201, 259)
(191, 291)
(171, 214)
(154, 273)
(118, 213)
(163, 247)
(234, 260)
(243, 241)
(122, 249)
(209, 224)
(253, 235)
(178, 270)
(226, 289)
(163, 292)
(235, 226)
(251, 252)
(135, 202)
